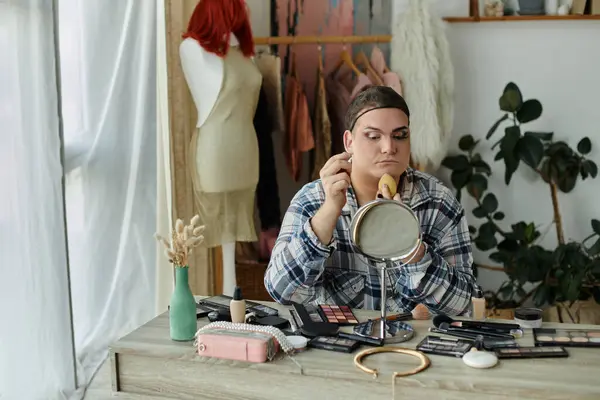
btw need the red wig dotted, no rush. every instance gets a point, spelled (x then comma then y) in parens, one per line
(213, 22)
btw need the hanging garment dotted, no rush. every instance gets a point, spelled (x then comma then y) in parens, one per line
(338, 98)
(420, 55)
(298, 137)
(269, 66)
(267, 190)
(389, 78)
(322, 127)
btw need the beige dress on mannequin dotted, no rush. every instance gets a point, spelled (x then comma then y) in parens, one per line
(225, 150)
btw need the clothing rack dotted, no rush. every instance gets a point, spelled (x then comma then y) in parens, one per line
(288, 40)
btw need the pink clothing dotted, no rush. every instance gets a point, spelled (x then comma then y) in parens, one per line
(389, 78)
(378, 63)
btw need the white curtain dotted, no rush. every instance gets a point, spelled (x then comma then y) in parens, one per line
(36, 360)
(108, 54)
(108, 84)
(164, 270)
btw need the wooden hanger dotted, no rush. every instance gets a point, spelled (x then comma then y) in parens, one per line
(361, 59)
(346, 58)
(293, 69)
(320, 50)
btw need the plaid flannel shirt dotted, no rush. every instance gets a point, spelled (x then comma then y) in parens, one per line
(304, 270)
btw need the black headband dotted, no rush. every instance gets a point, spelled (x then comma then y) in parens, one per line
(371, 109)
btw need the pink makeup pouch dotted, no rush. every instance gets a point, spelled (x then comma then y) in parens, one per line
(237, 345)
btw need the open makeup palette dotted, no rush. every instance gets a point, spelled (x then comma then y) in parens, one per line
(341, 315)
(566, 337)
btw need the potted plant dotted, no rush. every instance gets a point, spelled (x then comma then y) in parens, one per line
(560, 277)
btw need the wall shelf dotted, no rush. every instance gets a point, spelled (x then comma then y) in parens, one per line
(523, 18)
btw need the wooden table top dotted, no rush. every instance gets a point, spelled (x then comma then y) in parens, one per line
(574, 377)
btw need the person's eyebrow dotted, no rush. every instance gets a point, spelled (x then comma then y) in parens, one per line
(396, 130)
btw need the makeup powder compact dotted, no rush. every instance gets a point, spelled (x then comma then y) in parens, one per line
(566, 337)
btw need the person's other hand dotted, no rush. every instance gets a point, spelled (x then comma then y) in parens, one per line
(386, 194)
(335, 177)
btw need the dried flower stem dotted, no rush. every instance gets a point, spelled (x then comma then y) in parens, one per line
(183, 240)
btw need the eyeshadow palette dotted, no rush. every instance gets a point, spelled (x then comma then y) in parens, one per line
(311, 322)
(444, 346)
(342, 345)
(532, 352)
(341, 315)
(566, 337)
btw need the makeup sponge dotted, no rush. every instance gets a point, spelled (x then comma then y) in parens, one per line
(387, 179)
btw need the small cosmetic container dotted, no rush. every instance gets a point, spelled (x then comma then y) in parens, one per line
(528, 317)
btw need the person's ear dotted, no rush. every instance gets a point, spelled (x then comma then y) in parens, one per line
(348, 141)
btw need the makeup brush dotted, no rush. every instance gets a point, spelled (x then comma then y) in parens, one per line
(483, 332)
(493, 326)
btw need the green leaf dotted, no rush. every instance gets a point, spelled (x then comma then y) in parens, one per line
(486, 240)
(540, 295)
(472, 230)
(454, 163)
(477, 185)
(559, 148)
(519, 230)
(596, 226)
(567, 180)
(529, 111)
(508, 246)
(530, 150)
(499, 257)
(530, 233)
(584, 146)
(495, 126)
(499, 156)
(545, 136)
(480, 165)
(479, 212)
(511, 138)
(588, 167)
(595, 249)
(595, 267)
(498, 215)
(489, 203)
(466, 143)
(574, 287)
(460, 178)
(511, 100)
(596, 294)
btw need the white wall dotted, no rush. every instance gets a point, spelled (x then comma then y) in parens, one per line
(557, 62)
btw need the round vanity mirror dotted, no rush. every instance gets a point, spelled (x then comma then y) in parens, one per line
(386, 231)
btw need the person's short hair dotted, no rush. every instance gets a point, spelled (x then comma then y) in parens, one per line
(371, 98)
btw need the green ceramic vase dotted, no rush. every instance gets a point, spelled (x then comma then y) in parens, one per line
(182, 309)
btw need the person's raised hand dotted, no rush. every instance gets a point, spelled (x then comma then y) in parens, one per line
(335, 177)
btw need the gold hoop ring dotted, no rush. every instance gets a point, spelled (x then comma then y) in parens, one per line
(375, 350)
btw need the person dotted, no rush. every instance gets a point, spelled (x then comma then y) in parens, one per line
(314, 261)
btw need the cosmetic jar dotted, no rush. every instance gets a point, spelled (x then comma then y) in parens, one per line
(528, 317)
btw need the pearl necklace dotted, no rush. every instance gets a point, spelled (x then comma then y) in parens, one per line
(284, 343)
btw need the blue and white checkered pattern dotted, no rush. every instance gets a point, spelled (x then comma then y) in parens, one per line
(304, 270)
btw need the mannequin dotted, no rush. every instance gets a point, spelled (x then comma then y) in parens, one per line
(224, 160)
